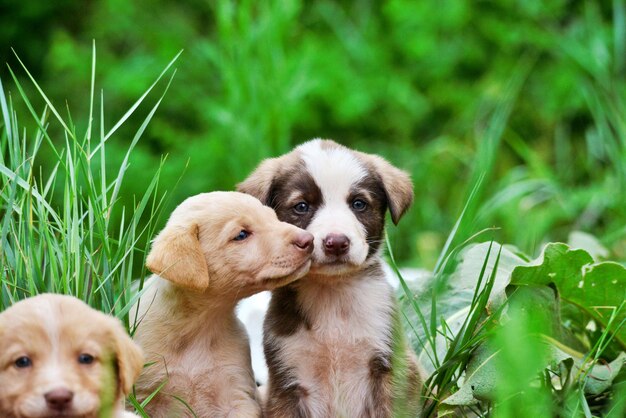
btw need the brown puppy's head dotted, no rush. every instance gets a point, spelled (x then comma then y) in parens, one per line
(230, 244)
(337, 194)
(60, 358)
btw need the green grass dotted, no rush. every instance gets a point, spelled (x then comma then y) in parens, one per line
(65, 228)
(421, 83)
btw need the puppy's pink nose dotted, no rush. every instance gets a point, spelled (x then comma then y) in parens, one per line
(336, 244)
(304, 242)
(59, 399)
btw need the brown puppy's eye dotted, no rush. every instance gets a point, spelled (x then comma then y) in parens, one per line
(85, 358)
(301, 208)
(23, 362)
(359, 205)
(243, 234)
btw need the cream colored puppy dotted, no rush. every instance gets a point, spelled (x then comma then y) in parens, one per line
(216, 249)
(60, 358)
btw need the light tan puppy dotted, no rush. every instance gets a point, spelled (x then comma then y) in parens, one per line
(216, 249)
(60, 358)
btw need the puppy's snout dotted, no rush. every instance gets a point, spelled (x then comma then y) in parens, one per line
(336, 244)
(59, 399)
(304, 241)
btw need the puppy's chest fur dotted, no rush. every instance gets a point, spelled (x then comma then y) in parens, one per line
(196, 357)
(328, 342)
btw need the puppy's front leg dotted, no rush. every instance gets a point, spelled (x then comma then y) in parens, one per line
(288, 402)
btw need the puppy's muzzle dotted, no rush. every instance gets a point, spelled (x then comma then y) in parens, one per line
(336, 245)
(59, 399)
(304, 242)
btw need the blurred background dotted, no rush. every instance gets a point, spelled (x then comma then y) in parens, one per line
(526, 95)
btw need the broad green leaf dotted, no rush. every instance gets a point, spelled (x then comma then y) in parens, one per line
(597, 288)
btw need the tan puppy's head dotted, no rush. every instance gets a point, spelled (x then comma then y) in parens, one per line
(60, 358)
(229, 244)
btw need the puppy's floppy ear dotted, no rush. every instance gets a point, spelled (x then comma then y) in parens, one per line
(176, 256)
(259, 183)
(129, 358)
(397, 183)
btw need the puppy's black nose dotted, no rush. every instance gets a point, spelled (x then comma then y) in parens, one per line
(336, 244)
(59, 399)
(304, 242)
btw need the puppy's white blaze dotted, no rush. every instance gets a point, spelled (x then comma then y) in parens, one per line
(54, 369)
(332, 168)
(335, 171)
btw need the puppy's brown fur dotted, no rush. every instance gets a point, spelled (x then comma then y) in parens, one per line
(332, 340)
(187, 322)
(41, 371)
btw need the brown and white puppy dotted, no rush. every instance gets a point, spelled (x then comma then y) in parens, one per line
(60, 358)
(332, 340)
(216, 249)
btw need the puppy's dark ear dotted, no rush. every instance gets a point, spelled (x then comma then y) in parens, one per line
(397, 183)
(176, 256)
(259, 183)
(128, 356)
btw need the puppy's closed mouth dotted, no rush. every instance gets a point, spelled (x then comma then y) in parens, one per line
(331, 269)
(300, 271)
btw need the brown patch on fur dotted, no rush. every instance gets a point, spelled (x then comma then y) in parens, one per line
(289, 403)
(282, 198)
(372, 191)
(259, 183)
(53, 330)
(397, 183)
(284, 316)
(286, 397)
(274, 183)
(380, 376)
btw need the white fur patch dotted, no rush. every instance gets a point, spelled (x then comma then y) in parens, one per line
(335, 171)
(53, 369)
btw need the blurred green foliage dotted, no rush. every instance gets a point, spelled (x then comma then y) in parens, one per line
(528, 93)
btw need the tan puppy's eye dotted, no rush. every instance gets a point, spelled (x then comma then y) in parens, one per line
(85, 358)
(23, 362)
(243, 234)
